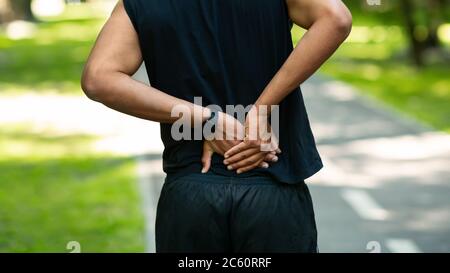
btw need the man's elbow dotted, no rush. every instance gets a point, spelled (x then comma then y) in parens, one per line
(92, 83)
(345, 22)
(342, 19)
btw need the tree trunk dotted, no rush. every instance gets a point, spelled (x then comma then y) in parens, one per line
(415, 45)
(6, 11)
(435, 9)
(22, 9)
(11, 10)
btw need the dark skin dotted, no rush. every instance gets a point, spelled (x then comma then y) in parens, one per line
(116, 56)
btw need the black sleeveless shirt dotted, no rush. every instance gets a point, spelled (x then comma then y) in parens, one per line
(225, 51)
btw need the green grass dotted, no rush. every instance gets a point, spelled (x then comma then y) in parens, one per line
(51, 61)
(54, 190)
(380, 68)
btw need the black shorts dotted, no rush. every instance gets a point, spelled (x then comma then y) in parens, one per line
(216, 213)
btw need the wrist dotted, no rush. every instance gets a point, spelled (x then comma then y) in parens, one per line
(206, 114)
(258, 114)
(260, 111)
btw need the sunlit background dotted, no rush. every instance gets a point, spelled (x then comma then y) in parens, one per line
(77, 176)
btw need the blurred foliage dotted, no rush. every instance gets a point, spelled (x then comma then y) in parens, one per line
(419, 19)
(15, 10)
(390, 13)
(52, 60)
(375, 59)
(55, 190)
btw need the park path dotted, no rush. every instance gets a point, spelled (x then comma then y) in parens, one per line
(384, 187)
(386, 181)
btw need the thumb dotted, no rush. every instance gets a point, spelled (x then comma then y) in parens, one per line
(206, 157)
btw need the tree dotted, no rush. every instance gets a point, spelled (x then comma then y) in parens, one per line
(435, 17)
(422, 20)
(22, 9)
(408, 8)
(15, 10)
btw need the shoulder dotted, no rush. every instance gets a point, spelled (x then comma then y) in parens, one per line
(132, 9)
(134, 6)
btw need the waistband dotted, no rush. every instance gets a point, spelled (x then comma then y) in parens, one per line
(217, 178)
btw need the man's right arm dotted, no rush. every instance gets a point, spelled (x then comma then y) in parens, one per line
(115, 57)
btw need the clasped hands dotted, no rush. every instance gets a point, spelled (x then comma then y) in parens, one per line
(244, 146)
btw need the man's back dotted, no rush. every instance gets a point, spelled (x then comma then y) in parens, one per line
(226, 52)
(223, 50)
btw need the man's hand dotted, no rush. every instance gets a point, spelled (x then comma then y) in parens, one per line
(328, 23)
(230, 133)
(259, 144)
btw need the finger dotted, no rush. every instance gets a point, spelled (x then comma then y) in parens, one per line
(206, 157)
(271, 158)
(217, 147)
(272, 146)
(264, 165)
(234, 150)
(252, 160)
(250, 167)
(241, 156)
(275, 142)
(241, 147)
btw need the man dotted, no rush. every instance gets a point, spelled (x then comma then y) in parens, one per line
(223, 194)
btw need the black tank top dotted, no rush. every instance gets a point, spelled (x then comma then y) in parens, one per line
(225, 51)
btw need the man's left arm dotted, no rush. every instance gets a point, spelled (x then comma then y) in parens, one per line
(328, 24)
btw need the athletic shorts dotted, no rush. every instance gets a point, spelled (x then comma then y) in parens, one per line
(210, 213)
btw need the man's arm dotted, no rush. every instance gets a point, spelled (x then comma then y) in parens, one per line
(329, 23)
(115, 57)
